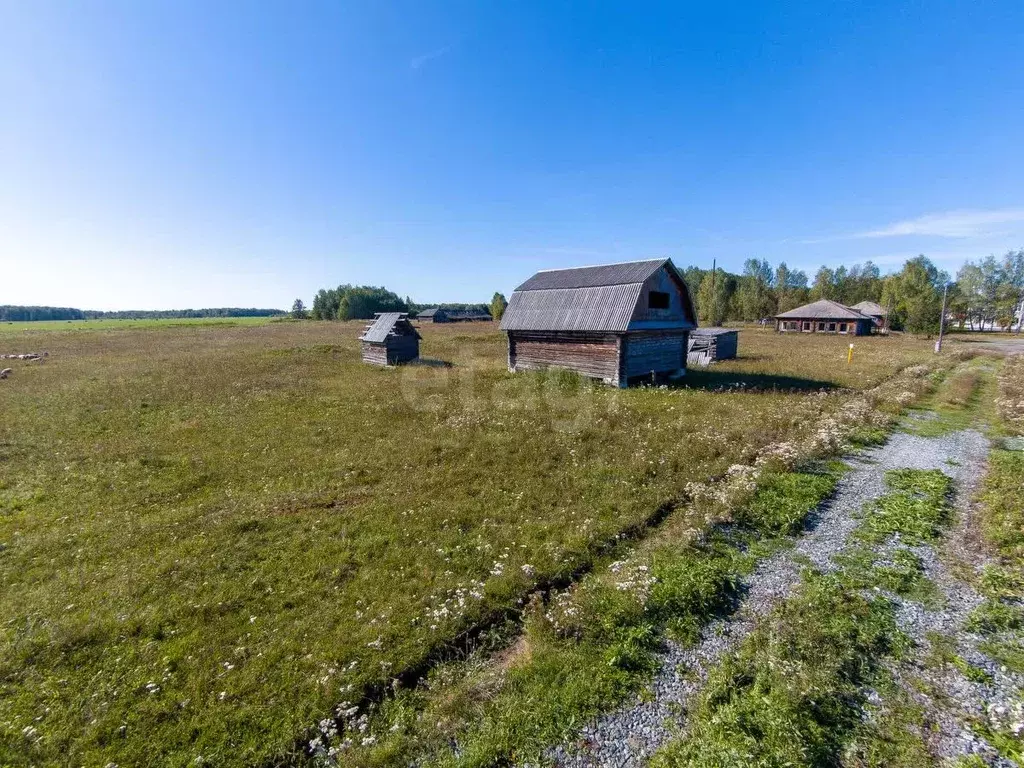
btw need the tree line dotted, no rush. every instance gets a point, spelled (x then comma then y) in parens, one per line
(12, 313)
(361, 302)
(984, 294)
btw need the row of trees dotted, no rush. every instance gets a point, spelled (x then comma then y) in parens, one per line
(985, 294)
(988, 293)
(351, 302)
(360, 302)
(11, 313)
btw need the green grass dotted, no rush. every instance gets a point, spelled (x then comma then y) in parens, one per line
(902, 573)
(28, 330)
(589, 647)
(1002, 499)
(211, 535)
(916, 509)
(791, 695)
(784, 500)
(963, 399)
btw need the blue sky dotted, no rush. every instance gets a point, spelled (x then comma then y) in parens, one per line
(170, 154)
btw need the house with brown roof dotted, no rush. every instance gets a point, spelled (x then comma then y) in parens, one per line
(619, 323)
(824, 316)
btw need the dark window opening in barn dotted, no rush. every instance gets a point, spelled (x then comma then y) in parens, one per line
(807, 326)
(832, 327)
(821, 326)
(842, 327)
(657, 300)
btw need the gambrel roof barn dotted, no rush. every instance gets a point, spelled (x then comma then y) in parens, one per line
(615, 322)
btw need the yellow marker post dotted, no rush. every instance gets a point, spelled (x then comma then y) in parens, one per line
(849, 355)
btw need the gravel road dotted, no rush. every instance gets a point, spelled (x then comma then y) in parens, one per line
(625, 738)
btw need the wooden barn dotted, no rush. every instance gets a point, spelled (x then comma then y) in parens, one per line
(441, 315)
(707, 345)
(390, 339)
(824, 316)
(618, 323)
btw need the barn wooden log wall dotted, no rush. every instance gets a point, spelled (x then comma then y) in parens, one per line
(593, 355)
(658, 352)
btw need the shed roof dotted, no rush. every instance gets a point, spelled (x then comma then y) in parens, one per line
(823, 309)
(712, 331)
(428, 312)
(385, 324)
(870, 308)
(601, 298)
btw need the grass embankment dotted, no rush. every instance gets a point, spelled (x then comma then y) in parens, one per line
(1001, 521)
(965, 398)
(211, 536)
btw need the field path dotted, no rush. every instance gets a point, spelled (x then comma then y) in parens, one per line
(627, 737)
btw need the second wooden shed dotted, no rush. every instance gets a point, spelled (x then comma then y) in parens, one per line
(390, 339)
(708, 345)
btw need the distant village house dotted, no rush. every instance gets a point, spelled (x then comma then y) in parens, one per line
(825, 316)
(618, 323)
(390, 340)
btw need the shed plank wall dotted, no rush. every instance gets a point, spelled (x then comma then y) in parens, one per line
(400, 349)
(661, 353)
(374, 353)
(593, 355)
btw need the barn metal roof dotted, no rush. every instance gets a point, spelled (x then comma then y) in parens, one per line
(823, 309)
(593, 277)
(601, 298)
(599, 308)
(383, 325)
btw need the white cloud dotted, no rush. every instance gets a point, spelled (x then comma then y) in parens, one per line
(419, 61)
(957, 224)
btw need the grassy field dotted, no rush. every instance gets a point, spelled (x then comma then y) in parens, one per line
(211, 534)
(50, 326)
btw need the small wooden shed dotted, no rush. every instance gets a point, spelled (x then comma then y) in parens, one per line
(390, 340)
(618, 323)
(707, 345)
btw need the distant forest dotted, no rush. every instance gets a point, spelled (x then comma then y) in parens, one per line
(984, 294)
(9, 313)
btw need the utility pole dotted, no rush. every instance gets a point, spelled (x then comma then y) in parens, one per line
(714, 299)
(1020, 314)
(942, 318)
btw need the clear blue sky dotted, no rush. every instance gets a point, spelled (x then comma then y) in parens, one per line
(173, 153)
